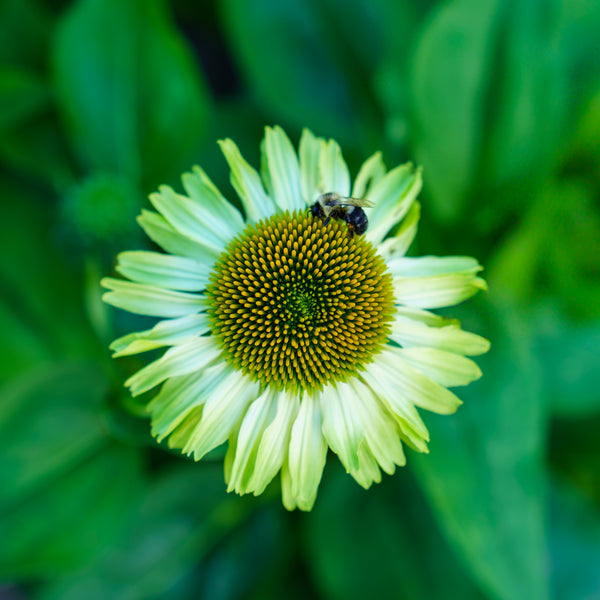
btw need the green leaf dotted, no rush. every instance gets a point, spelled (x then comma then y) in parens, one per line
(574, 545)
(449, 79)
(484, 476)
(178, 519)
(21, 94)
(380, 543)
(569, 356)
(65, 489)
(308, 63)
(132, 98)
(49, 421)
(527, 95)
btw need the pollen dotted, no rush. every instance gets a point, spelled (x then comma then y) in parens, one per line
(297, 304)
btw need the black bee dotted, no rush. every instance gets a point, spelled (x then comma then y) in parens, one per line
(333, 206)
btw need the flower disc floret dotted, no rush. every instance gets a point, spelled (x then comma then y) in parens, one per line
(298, 304)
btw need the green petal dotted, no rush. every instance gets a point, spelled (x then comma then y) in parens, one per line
(164, 270)
(204, 192)
(446, 368)
(371, 172)
(368, 471)
(247, 183)
(399, 243)
(333, 170)
(309, 151)
(192, 220)
(178, 360)
(341, 426)
(258, 416)
(283, 169)
(307, 453)
(420, 328)
(381, 432)
(436, 291)
(167, 237)
(273, 448)
(415, 387)
(393, 196)
(425, 266)
(222, 412)
(164, 333)
(180, 395)
(148, 300)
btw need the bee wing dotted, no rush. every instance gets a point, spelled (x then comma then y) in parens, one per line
(358, 202)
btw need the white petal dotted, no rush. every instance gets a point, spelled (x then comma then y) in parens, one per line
(180, 395)
(164, 333)
(222, 412)
(179, 360)
(421, 328)
(333, 170)
(371, 172)
(412, 385)
(283, 169)
(275, 442)
(393, 196)
(436, 291)
(287, 495)
(259, 414)
(368, 471)
(167, 237)
(341, 427)
(204, 192)
(246, 182)
(307, 453)
(164, 270)
(446, 368)
(426, 266)
(148, 300)
(309, 151)
(381, 432)
(193, 220)
(399, 243)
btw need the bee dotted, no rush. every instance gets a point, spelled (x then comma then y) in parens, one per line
(333, 206)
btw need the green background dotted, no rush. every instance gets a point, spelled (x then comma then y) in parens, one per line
(499, 100)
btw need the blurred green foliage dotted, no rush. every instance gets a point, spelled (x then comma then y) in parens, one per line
(103, 100)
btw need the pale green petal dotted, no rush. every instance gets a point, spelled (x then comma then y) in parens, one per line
(426, 266)
(185, 429)
(400, 242)
(287, 495)
(192, 220)
(341, 426)
(412, 385)
(407, 418)
(368, 471)
(369, 175)
(164, 270)
(180, 395)
(275, 442)
(393, 196)
(436, 291)
(222, 412)
(243, 452)
(309, 151)
(307, 453)
(283, 168)
(167, 237)
(148, 300)
(420, 328)
(178, 360)
(381, 432)
(446, 368)
(246, 182)
(334, 173)
(164, 333)
(204, 192)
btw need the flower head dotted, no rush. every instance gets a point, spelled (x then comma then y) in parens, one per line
(289, 331)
